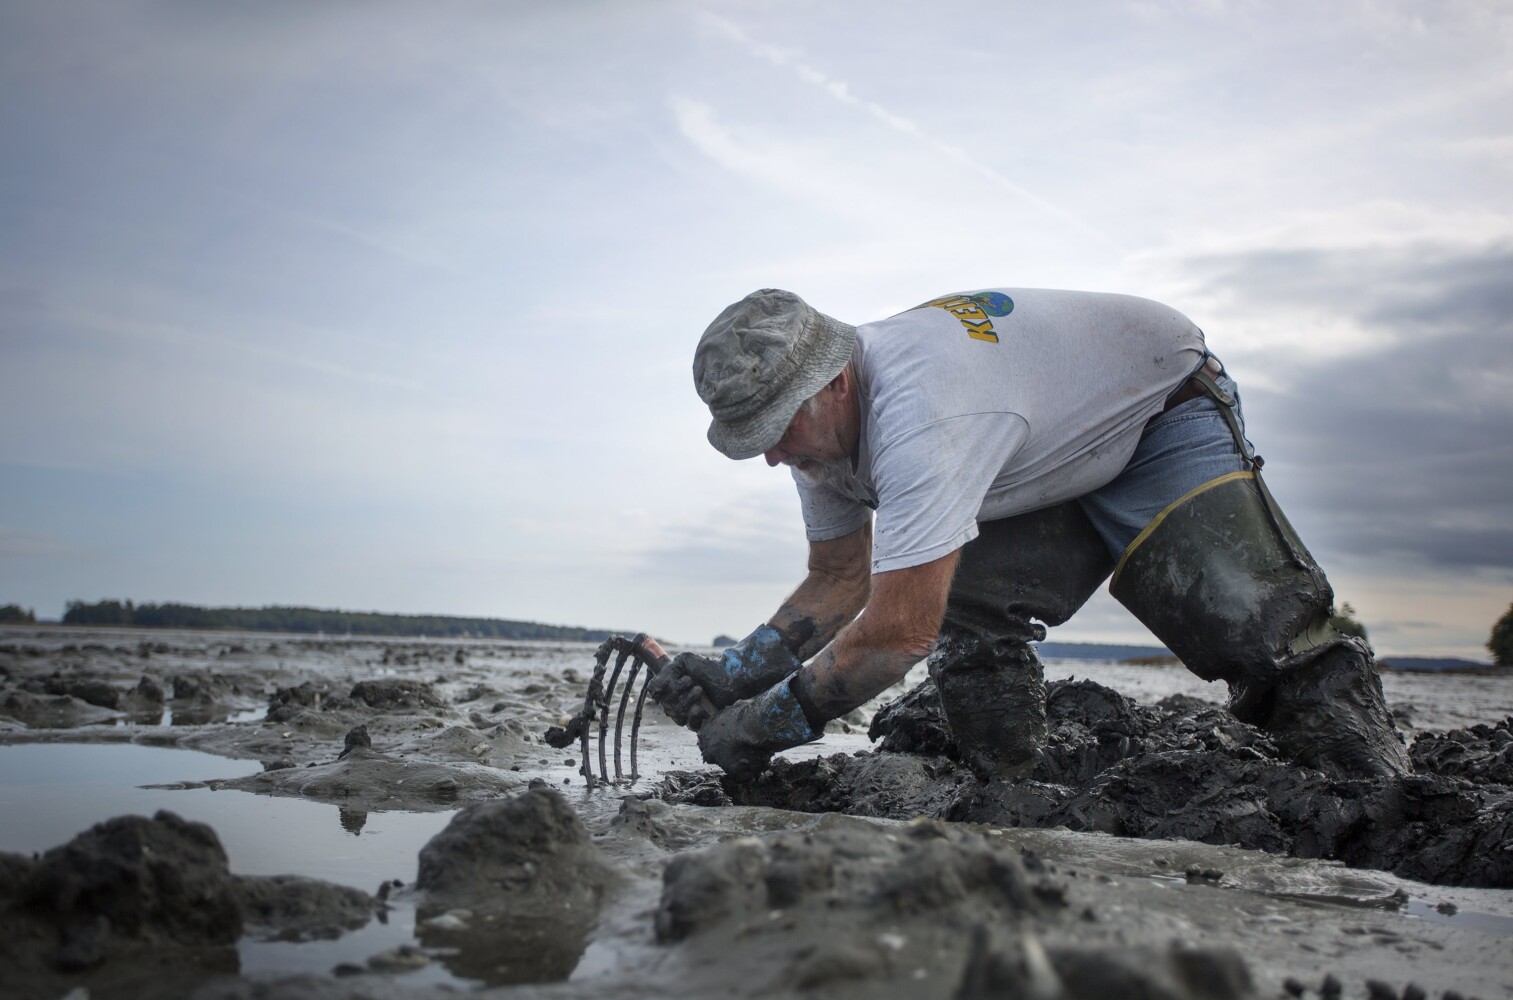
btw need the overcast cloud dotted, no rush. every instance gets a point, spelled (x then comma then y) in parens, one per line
(391, 306)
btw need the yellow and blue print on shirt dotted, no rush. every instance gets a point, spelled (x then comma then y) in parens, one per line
(975, 311)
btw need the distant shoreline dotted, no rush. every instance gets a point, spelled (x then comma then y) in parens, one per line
(382, 625)
(1126, 653)
(312, 621)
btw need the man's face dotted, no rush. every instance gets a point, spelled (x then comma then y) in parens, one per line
(813, 440)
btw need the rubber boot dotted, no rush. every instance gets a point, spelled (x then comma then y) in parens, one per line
(1225, 582)
(1042, 566)
(992, 690)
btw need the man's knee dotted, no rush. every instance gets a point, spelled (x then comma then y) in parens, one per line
(992, 689)
(1043, 565)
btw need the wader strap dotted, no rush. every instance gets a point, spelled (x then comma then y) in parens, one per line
(1226, 403)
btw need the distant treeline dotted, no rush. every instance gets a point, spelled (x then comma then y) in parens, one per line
(290, 619)
(1099, 651)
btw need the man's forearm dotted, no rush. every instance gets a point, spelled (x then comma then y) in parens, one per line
(816, 612)
(833, 593)
(877, 649)
(859, 665)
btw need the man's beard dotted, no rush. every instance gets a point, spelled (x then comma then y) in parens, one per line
(831, 472)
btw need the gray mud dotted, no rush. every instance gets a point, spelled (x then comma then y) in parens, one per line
(1179, 769)
(137, 906)
(1158, 850)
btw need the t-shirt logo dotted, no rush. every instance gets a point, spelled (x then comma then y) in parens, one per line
(975, 311)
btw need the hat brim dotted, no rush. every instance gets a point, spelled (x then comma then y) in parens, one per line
(751, 437)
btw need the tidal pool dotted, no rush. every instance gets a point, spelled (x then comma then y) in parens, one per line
(49, 792)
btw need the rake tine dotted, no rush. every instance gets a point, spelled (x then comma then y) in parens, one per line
(647, 658)
(635, 726)
(630, 682)
(609, 694)
(655, 658)
(594, 697)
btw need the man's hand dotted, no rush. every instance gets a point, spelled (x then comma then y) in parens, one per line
(751, 666)
(741, 739)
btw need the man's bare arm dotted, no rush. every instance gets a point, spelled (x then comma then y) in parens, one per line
(830, 596)
(896, 631)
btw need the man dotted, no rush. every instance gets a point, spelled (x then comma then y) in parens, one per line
(970, 471)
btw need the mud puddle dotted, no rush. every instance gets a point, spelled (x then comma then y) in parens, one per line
(50, 792)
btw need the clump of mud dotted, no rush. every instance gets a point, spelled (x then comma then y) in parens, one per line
(949, 908)
(512, 888)
(1178, 769)
(137, 906)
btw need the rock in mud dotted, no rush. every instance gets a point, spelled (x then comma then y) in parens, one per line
(532, 880)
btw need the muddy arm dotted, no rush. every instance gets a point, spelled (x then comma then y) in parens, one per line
(830, 597)
(895, 632)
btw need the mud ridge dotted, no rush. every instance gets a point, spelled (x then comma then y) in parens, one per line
(1181, 768)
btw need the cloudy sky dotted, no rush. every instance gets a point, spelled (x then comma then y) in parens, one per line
(390, 306)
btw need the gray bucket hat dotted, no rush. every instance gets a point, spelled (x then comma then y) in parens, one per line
(759, 361)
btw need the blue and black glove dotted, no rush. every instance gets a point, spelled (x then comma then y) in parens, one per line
(741, 739)
(749, 667)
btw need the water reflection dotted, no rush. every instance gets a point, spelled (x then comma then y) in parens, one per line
(502, 948)
(157, 716)
(352, 820)
(51, 792)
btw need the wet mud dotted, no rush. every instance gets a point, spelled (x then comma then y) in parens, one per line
(1179, 769)
(513, 887)
(1158, 850)
(138, 906)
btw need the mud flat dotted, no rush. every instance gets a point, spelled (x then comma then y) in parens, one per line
(1159, 849)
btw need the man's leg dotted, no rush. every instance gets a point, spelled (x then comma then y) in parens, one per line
(1221, 577)
(1225, 582)
(1036, 567)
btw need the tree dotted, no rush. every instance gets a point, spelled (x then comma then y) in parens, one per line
(12, 614)
(1345, 620)
(1501, 642)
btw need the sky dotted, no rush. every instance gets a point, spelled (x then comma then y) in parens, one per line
(391, 306)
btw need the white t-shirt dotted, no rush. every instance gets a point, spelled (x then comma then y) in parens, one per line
(982, 405)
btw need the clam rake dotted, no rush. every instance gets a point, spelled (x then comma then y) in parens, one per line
(646, 658)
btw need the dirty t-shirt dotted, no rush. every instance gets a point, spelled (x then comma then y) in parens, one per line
(982, 405)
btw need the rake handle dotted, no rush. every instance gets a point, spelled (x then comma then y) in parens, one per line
(657, 658)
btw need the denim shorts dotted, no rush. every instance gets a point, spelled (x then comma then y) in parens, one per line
(1181, 449)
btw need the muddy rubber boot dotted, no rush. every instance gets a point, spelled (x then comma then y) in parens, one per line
(1225, 582)
(1330, 714)
(1018, 571)
(993, 692)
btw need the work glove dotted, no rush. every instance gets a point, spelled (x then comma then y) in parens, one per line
(750, 666)
(741, 739)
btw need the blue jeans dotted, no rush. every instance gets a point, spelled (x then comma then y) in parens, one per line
(1044, 565)
(1181, 449)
